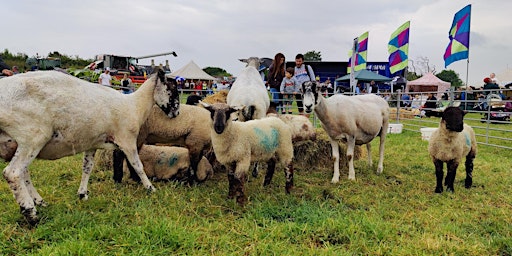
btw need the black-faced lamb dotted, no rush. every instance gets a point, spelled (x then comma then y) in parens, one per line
(191, 129)
(249, 90)
(452, 141)
(237, 144)
(50, 115)
(355, 120)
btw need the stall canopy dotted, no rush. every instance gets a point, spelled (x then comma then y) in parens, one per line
(365, 75)
(191, 71)
(428, 83)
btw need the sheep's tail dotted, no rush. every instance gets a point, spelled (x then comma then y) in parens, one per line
(248, 112)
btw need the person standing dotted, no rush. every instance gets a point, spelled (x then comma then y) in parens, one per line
(373, 88)
(5, 69)
(289, 87)
(303, 73)
(275, 77)
(105, 78)
(127, 85)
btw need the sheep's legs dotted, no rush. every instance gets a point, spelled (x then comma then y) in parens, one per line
(288, 174)
(271, 166)
(87, 166)
(438, 164)
(15, 175)
(118, 158)
(369, 150)
(469, 170)
(380, 166)
(336, 155)
(237, 178)
(231, 180)
(351, 142)
(134, 161)
(450, 175)
(38, 200)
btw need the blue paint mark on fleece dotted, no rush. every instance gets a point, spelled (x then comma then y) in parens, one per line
(269, 141)
(171, 161)
(468, 139)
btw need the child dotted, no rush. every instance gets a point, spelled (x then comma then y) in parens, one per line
(289, 87)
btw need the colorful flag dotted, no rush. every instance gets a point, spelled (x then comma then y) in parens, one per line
(398, 48)
(458, 48)
(361, 53)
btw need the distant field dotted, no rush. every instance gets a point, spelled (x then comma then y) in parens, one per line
(395, 213)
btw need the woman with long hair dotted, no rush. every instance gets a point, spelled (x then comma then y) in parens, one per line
(276, 73)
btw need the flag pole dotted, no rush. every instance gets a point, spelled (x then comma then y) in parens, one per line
(352, 63)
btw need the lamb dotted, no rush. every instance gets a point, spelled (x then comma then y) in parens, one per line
(191, 129)
(249, 90)
(50, 115)
(301, 128)
(452, 141)
(237, 144)
(355, 120)
(171, 163)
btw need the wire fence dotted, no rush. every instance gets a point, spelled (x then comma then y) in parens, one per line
(486, 111)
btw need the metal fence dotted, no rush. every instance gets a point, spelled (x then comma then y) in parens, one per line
(486, 111)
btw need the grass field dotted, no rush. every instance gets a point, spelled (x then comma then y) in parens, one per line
(395, 213)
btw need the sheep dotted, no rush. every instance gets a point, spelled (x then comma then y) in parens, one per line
(249, 90)
(452, 141)
(166, 163)
(237, 144)
(51, 115)
(190, 129)
(355, 120)
(300, 126)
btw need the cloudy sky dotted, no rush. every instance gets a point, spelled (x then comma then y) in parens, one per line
(217, 33)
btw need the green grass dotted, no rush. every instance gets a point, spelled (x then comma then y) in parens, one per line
(395, 213)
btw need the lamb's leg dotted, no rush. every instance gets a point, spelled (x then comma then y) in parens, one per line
(239, 180)
(336, 155)
(351, 143)
(438, 164)
(118, 158)
(38, 200)
(195, 158)
(288, 174)
(271, 167)
(369, 150)
(255, 170)
(14, 174)
(469, 170)
(231, 180)
(87, 165)
(451, 167)
(380, 166)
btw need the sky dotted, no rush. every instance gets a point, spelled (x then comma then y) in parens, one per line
(216, 33)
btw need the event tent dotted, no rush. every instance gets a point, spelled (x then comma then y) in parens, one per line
(365, 75)
(191, 71)
(428, 83)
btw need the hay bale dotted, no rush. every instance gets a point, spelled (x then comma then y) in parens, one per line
(310, 155)
(218, 97)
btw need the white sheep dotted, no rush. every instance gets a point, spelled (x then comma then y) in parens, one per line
(249, 90)
(166, 163)
(355, 120)
(452, 141)
(300, 126)
(190, 129)
(237, 144)
(51, 115)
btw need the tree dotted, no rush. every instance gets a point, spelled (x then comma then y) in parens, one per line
(450, 76)
(216, 72)
(313, 56)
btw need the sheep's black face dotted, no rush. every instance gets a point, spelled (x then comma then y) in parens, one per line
(167, 96)
(309, 95)
(453, 117)
(220, 114)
